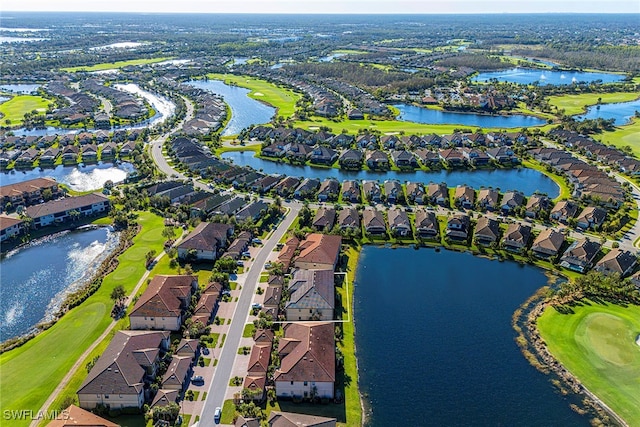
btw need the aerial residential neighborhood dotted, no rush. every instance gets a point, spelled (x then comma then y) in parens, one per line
(257, 214)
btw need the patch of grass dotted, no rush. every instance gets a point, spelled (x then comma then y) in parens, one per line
(207, 361)
(186, 419)
(14, 109)
(52, 353)
(233, 285)
(204, 395)
(577, 104)
(113, 65)
(224, 337)
(249, 330)
(228, 411)
(597, 344)
(280, 97)
(264, 278)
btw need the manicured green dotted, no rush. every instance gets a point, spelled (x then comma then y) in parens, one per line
(39, 365)
(15, 108)
(283, 99)
(597, 345)
(577, 104)
(384, 126)
(113, 65)
(627, 135)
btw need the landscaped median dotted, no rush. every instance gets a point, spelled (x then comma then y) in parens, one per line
(114, 65)
(597, 344)
(30, 373)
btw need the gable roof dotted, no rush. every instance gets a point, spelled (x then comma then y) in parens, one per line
(617, 261)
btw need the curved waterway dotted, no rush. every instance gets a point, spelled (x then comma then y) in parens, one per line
(37, 277)
(413, 113)
(524, 179)
(620, 112)
(245, 111)
(435, 345)
(78, 178)
(547, 77)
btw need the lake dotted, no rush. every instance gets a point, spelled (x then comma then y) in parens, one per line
(526, 180)
(412, 113)
(244, 110)
(435, 345)
(37, 277)
(621, 112)
(20, 88)
(78, 178)
(547, 77)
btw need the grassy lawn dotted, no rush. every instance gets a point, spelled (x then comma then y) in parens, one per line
(627, 135)
(283, 99)
(248, 331)
(385, 126)
(353, 410)
(112, 65)
(565, 191)
(15, 108)
(577, 104)
(52, 353)
(597, 344)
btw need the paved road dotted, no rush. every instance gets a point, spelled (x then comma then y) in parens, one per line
(220, 382)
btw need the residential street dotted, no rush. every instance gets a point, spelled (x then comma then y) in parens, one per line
(218, 387)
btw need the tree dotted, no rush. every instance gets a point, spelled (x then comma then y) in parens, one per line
(118, 294)
(149, 256)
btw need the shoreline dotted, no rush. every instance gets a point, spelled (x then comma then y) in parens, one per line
(78, 296)
(536, 352)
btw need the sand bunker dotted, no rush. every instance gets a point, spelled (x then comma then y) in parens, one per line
(258, 94)
(638, 340)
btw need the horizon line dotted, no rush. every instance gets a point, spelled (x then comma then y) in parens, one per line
(323, 13)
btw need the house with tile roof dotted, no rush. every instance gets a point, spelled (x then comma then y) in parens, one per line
(74, 416)
(516, 238)
(307, 361)
(319, 252)
(547, 244)
(178, 373)
(617, 261)
(163, 303)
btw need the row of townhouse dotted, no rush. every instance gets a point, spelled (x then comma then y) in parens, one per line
(607, 155)
(70, 154)
(370, 141)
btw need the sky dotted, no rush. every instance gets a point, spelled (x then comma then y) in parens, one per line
(331, 6)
